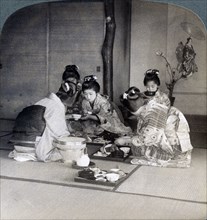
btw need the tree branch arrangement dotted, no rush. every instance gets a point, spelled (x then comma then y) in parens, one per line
(174, 74)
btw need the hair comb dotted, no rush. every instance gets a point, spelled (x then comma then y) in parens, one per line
(90, 78)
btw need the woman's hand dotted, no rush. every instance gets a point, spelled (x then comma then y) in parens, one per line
(85, 117)
(69, 116)
(123, 141)
(89, 117)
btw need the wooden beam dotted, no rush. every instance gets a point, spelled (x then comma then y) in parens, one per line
(107, 49)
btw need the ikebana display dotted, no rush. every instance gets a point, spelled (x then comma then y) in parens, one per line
(185, 55)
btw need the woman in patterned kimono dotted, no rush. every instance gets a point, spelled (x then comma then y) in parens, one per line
(152, 83)
(162, 136)
(99, 113)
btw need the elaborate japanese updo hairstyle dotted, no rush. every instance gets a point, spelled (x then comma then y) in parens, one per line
(152, 75)
(132, 99)
(71, 71)
(91, 83)
(68, 88)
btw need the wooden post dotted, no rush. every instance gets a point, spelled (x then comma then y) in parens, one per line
(107, 49)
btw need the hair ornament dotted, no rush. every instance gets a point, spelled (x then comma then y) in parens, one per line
(72, 68)
(90, 78)
(148, 71)
(157, 72)
(67, 87)
(133, 92)
(152, 71)
(125, 95)
(77, 67)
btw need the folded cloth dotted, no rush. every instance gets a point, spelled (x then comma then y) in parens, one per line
(22, 157)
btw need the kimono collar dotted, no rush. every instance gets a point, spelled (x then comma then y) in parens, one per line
(157, 93)
(138, 111)
(100, 98)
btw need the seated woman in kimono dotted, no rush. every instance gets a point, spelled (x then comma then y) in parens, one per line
(152, 83)
(70, 91)
(99, 113)
(45, 121)
(37, 126)
(162, 136)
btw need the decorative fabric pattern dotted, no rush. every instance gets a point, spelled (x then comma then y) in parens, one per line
(108, 117)
(162, 135)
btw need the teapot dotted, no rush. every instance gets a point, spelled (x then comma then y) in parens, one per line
(84, 160)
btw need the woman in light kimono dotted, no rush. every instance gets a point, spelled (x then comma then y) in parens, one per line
(56, 127)
(99, 113)
(39, 137)
(162, 136)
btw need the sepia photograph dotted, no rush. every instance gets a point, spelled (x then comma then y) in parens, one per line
(103, 109)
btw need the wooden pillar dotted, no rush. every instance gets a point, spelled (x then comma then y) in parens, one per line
(107, 49)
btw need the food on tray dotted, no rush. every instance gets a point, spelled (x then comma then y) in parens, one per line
(101, 179)
(115, 170)
(99, 140)
(101, 175)
(113, 151)
(86, 174)
(100, 154)
(117, 153)
(112, 177)
(125, 140)
(109, 148)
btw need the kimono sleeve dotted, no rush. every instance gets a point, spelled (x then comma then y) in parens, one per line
(55, 121)
(165, 100)
(105, 112)
(85, 107)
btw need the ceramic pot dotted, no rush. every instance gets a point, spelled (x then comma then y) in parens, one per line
(83, 161)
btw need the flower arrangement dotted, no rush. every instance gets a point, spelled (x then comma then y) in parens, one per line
(186, 66)
(174, 75)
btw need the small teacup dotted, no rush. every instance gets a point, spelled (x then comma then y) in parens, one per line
(112, 177)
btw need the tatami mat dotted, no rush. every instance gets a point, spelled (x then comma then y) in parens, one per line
(23, 200)
(35, 190)
(26, 200)
(55, 172)
(179, 183)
